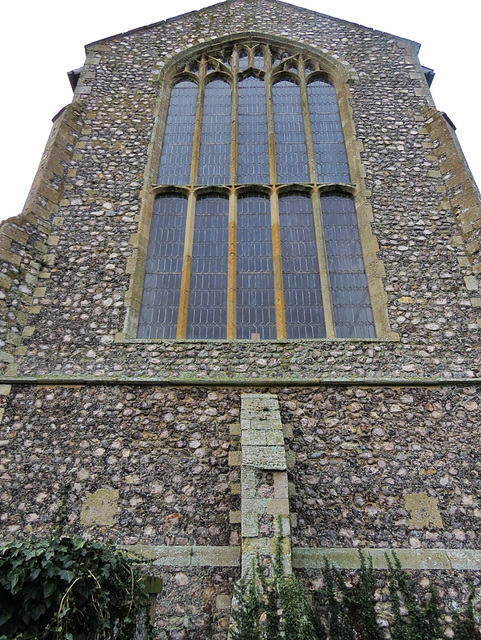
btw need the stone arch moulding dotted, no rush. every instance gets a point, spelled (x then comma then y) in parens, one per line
(341, 76)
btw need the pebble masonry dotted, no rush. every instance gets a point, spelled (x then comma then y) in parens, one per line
(194, 452)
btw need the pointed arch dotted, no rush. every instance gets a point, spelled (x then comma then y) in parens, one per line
(274, 113)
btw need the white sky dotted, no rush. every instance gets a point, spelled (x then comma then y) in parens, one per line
(43, 40)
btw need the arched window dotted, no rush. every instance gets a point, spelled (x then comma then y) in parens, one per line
(254, 231)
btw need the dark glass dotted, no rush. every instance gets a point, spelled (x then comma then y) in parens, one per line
(253, 152)
(291, 153)
(163, 271)
(207, 315)
(243, 60)
(256, 312)
(329, 146)
(300, 267)
(214, 159)
(350, 294)
(179, 134)
(259, 58)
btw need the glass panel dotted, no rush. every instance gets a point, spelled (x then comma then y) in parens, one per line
(163, 271)
(214, 160)
(350, 295)
(253, 162)
(300, 268)
(243, 60)
(259, 58)
(291, 151)
(207, 316)
(329, 147)
(179, 134)
(256, 313)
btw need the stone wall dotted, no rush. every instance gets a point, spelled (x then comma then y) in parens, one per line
(77, 324)
(27, 241)
(156, 469)
(139, 441)
(159, 458)
(379, 467)
(385, 467)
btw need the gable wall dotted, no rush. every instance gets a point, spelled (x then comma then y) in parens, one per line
(86, 409)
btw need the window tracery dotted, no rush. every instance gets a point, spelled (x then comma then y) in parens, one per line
(262, 212)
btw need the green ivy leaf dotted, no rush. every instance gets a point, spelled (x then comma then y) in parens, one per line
(37, 611)
(5, 615)
(67, 575)
(48, 589)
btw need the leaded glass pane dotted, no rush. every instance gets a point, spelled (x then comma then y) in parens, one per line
(300, 267)
(291, 153)
(207, 315)
(350, 295)
(243, 60)
(259, 58)
(329, 146)
(160, 298)
(214, 160)
(179, 134)
(253, 152)
(256, 312)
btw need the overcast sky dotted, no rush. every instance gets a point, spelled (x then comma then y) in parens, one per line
(42, 41)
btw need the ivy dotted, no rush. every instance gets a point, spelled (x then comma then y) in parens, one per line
(277, 607)
(67, 588)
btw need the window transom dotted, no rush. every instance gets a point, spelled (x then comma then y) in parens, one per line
(259, 237)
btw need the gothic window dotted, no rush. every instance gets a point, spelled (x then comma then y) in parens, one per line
(254, 231)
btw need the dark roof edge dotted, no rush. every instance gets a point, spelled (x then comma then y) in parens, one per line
(416, 46)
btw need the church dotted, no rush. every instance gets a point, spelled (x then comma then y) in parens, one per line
(241, 305)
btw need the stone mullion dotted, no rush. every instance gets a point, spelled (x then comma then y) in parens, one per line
(234, 131)
(271, 135)
(274, 200)
(232, 268)
(186, 268)
(190, 221)
(311, 155)
(323, 266)
(277, 267)
(194, 167)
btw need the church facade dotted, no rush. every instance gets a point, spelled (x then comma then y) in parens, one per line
(242, 301)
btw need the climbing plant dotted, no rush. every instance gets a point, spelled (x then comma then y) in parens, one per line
(277, 607)
(67, 588)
